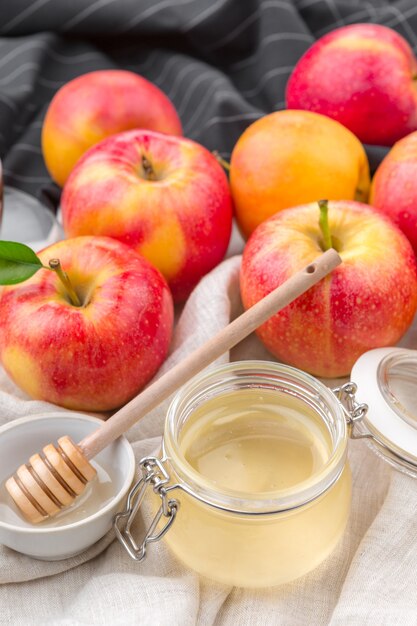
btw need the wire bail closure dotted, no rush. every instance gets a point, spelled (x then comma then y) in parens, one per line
(353, 410)
(153, 475)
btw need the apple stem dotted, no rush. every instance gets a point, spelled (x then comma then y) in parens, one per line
(324, 225)
(147, 168)
(222, 161)
(55, 266)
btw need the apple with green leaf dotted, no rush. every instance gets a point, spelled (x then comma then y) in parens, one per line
(88, 328)
(369, 301)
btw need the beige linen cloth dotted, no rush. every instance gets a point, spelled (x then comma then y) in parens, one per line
(369, 579)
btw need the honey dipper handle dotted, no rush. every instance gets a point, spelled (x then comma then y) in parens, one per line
(228, 337)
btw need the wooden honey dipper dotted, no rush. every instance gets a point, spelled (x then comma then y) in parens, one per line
(55, 477)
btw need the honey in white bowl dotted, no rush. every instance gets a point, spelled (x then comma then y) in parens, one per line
(96, 495)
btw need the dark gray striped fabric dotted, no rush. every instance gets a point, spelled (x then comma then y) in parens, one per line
(224, 63)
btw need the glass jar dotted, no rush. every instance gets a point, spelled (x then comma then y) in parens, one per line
(222, 519)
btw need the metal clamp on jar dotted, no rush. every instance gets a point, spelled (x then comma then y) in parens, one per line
(253, 487)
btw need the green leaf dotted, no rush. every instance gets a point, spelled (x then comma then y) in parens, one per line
(17, 262)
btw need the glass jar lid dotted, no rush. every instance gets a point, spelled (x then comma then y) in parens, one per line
(387, 383)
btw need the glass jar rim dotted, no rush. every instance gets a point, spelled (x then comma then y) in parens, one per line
(302, 493)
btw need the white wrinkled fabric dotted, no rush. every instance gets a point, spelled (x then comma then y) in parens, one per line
(369, 579)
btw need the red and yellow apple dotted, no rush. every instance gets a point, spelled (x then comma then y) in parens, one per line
(96, 105)
(289, 158)
(394, 187)
(367, 302)
(96, 356)
(165, 196)
(362, 75)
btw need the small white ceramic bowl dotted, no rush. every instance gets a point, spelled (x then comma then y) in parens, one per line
(22, 438)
